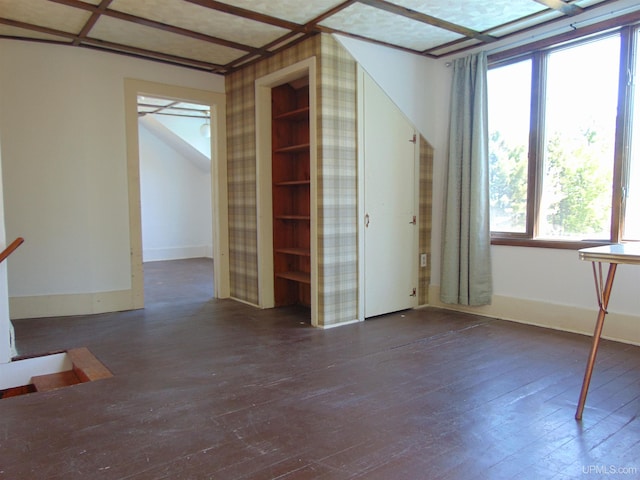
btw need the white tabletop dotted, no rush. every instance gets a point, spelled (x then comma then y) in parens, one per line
(628, 253)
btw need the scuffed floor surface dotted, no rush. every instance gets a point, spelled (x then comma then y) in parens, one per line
(217, 389)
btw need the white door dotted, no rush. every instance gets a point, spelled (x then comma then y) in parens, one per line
(390, 248)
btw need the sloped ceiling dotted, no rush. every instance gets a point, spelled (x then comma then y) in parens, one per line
(222, 36)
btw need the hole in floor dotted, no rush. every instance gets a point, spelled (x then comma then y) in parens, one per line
(83, 367)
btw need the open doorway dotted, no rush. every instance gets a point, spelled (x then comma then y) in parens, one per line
(216, 203)
(175, 199)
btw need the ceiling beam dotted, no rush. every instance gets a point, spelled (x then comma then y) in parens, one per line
(37, 28)
(567, 8)
(149, 54)
(248, 14)
(290, 40)
(99, 10)
(117, 47)
(95, 15)
(159, 108)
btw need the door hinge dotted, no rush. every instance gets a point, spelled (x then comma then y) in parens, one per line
(413, 140)
(413, 293)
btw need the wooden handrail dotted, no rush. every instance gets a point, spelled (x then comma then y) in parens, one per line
(9, 250)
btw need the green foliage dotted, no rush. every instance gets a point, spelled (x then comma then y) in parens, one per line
(577, 184)
(508, 181)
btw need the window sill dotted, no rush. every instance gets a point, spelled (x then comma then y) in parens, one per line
(543, 243)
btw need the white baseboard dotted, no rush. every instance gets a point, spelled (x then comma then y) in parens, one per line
(177, 253)
(619, 327)
(339, 324)
(246, 302)
(70, 304)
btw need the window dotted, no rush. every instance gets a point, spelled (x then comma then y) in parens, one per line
(558, 148)
(631, 224)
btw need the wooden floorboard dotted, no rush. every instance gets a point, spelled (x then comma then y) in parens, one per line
(205, 388)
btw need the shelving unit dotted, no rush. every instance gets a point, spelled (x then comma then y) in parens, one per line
(291, 194)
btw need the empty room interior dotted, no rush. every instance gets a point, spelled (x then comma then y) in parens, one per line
(377, 239)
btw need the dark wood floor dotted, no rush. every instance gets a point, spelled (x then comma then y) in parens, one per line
(218, 389)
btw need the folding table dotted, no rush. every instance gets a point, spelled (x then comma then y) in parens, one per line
(613, 255)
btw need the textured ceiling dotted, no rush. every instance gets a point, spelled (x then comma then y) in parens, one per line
(221, 36)
(163, 106)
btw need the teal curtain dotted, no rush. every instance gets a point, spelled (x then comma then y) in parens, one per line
(466, 243)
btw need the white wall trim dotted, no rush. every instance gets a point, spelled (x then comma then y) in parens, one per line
(341, 324)
(251, 304)
(361, 213)
(618, 327)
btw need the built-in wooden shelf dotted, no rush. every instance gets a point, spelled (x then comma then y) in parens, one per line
(301, 277)
(301, 252)
(297, 114)
(293, 183)
(297, 218)
(302, 147)
(291, 194)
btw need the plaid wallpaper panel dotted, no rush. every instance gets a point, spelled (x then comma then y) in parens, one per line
(425, 206)
(241, 164)
(338, 174)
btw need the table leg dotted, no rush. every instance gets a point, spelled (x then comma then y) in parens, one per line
(603, 292)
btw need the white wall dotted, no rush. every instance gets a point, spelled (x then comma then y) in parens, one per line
(188, 129)
(175, 200)
(546, 287)
(62, 125)
(5, 324)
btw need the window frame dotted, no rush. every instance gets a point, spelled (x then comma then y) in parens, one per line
(628, 32)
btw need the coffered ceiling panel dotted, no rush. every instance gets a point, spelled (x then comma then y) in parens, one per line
(370, 22)
(152, 39)
(45, 14)
(478, 15)
(291, 10)
(221, 36)
(202, 20)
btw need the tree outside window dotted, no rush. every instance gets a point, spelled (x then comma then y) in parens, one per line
(553, 131)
